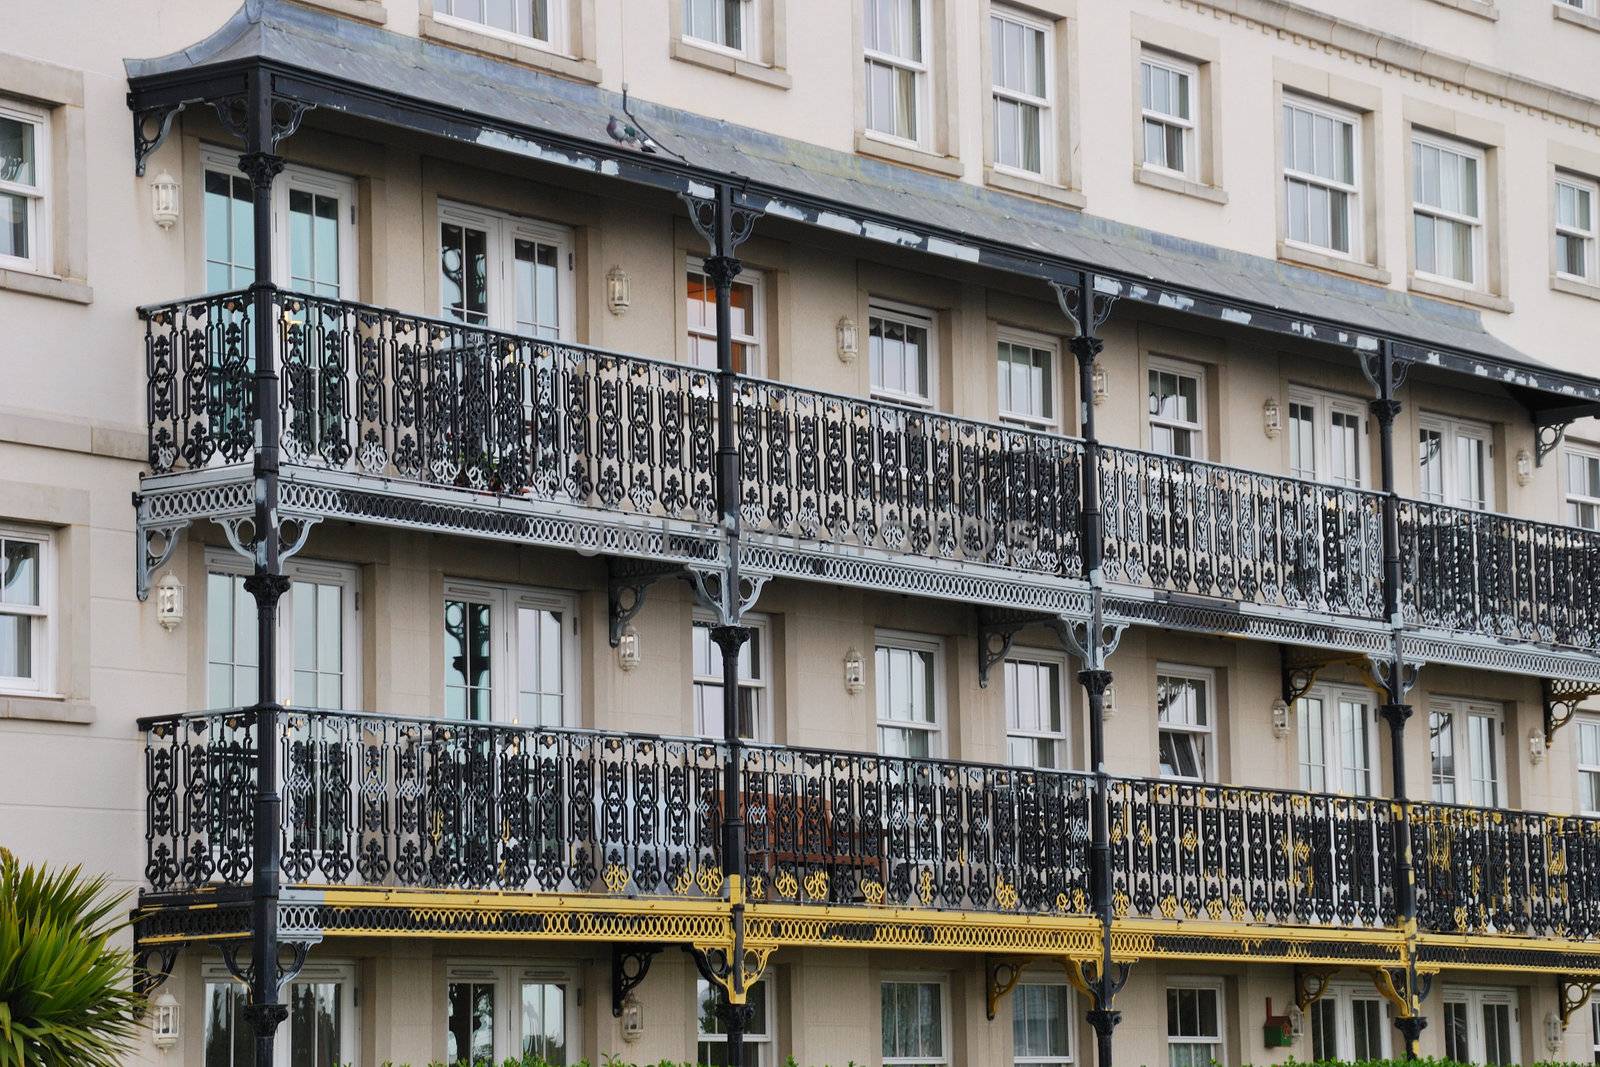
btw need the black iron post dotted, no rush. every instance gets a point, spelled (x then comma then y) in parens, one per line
(1094, 677)
(722, 268)
(266, 582)
(1396, 711)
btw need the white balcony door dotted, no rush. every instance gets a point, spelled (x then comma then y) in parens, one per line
(510, 654)
(323, 1028)
(505, 273)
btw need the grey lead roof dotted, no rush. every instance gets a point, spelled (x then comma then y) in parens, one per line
(408, 67)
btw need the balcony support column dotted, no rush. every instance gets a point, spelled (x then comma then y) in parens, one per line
(1396, 677)
(1093, 642)
(266, 583)
(725, 228)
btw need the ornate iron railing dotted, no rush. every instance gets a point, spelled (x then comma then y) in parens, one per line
(1492, 574)
(1191, 527)
(389, 801)
(819, 466)
(435, 401)
(1190, 851)
(381, 800)
(380, 392)
(849, 827)
(1510, 872)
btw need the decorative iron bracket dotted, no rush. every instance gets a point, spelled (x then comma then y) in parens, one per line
(1000, 977)
(701, 200)
(1547, 438)
(233, 529)
(146, 140)
(1084, 976)
(1561, 700)
(147, 979)
(1372, 361)
(1389, 981)
(1069, 295)
(997, 628)
(148, 559)
(287, 972)
(710, 592)
(1378, 666)
(629, 965)
(1310, 983)
(1078, 637)
(712, 963)
(626, 584)
(287, 114)
(1301, 669)
(1574, 994)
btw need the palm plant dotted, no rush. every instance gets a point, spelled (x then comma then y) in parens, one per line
(65, 995)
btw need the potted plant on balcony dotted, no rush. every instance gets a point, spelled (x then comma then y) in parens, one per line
(65, 993)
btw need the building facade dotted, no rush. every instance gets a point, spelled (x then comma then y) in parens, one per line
(1241, 349)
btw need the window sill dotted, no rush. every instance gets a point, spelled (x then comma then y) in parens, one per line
(37, 708)
(21, 281)
(1483, 9)
(711, 59)
(365, 10)
(1574, 287)
(1459, 293)
(1562, 13)
(491, 45)
(1173, 184)
(869, 145)
(1035, 187)
(1306, 257)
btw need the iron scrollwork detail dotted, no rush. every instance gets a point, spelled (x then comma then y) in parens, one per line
(630, 964)
(146, 140)
(1069, 295)
(233, 112)
(702, 204)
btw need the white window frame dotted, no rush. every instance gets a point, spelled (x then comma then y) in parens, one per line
(1353, 221)
(1334, 770)
(918, 978)
(1587, 8)
(764, 1045)
(922, 78)
(1343, 995)
(1590, 237)
(314, 973)
(761, 640)
(1477, 223)
(45, 622)
(1588, 725)
(323, 572)
(1190, 126)
(1045, 103)
(1324, 406)
(503, 230)
(40, 226)
(1452, 430)
(1051, 420)
(556, 42)
(1062, 738)
(1068, 1021)
(748, 14)
(1221, 989)
(507, 979)
(1475, 1000)
(1208, 677)
(755, 342)
(908, 315)
(1574, 500)
(936, 730)
(1462, 713)
(504, 602)
(1197, 371)
(304, 179)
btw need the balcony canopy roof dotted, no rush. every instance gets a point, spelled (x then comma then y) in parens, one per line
(342, 65)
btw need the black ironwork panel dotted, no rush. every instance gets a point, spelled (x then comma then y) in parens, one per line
(1492, 574)
(852, 471)
(1190, 851)
(198, 364)
(199, 799)
(843, 827)
(1191, 527)
(1511, 872)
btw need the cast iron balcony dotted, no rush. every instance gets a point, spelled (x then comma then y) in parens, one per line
(435, 413)
(427, 803)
